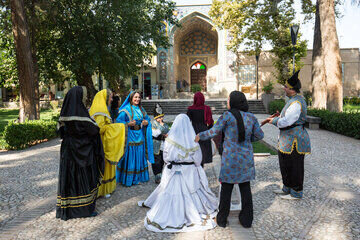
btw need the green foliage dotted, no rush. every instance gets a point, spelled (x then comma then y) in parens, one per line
(7, 115)
(267, 88)
(351, 101)
(276, 105)
(111, 37)
(8, 67)
(251, 23)
(195, 88)
(22, 135)
(54, 104)
(345, 123)
(73, 40)
(308, 98)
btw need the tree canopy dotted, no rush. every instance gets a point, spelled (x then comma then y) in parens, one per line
(80, 38)
(251, 23)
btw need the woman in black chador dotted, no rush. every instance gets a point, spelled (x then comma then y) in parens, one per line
(81, 158)
(201, 119)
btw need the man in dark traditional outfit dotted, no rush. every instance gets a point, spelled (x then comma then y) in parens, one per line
(294, 141)
(159, 133)
(81, 158)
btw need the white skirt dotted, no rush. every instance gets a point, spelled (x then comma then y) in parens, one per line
(182, 202)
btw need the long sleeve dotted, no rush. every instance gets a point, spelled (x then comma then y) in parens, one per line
(148, 139)
(197, 157)
(257, 132)
(101, 122)
(113, 138)
(122, 118)
(292, 114)
(156, 132)
(216, 129)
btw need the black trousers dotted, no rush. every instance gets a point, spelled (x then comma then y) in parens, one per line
(246, 213)
(158, 164)
(292, 169)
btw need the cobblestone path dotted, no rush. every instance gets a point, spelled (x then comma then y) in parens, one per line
(330, 208)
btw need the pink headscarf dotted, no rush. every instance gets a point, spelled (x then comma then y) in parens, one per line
(199, 104)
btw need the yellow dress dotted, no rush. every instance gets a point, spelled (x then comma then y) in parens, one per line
(113, 139)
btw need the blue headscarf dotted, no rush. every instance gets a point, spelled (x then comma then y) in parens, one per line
(126, 102)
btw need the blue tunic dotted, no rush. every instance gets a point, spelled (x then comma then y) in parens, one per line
(133, 167)
(295, 136)
(237, 163)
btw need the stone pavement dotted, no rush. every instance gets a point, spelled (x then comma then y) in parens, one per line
(330, 208)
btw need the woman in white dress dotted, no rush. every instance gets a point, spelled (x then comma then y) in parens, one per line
(183, 200)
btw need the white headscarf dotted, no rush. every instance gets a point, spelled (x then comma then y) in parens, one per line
(180, 144)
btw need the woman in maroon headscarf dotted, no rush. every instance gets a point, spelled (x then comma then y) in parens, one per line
(201, 119)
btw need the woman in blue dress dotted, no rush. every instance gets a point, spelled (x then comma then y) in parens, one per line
(133, 167)
(237, 161)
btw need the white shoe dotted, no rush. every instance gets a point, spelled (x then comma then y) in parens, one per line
(280, 191)
(107, 195)
(289, 197)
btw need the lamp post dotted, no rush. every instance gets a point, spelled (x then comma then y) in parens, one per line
(257, 56)
(294, 30)
(143, 82)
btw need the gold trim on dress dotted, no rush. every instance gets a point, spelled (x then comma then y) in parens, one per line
(101, 114)
(181, 147)
(136, 143)
(123, 170)
(76, 118)
(292, 148)
(108, 181)
(80, 201)
(159, 227)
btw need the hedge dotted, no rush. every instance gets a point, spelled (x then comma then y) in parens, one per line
(276, 105)
(352, 101)
(345, 123)
(22, 135)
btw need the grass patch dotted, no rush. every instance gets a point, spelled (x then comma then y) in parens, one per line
(260, 147)
(7, 115)
(350, 108)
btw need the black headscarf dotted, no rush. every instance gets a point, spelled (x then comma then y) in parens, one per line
(239, 103)
(73, 105)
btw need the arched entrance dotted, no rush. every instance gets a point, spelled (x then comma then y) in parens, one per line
(196, 41)
(198, 75)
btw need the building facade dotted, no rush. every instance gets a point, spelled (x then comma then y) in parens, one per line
(199, 55)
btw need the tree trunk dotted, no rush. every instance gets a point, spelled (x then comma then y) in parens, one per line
(331, 53)
(24, 60)
(84, 79)
(33, 34)
(318, 81)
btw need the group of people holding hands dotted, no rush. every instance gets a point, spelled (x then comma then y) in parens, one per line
(98, 151)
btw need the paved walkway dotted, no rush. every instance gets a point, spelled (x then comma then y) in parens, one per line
(330, 208)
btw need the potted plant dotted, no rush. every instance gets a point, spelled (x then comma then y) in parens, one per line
(267, 96)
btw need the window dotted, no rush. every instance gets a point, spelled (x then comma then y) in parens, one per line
(135, 82)
(198, 65)
(247, 74)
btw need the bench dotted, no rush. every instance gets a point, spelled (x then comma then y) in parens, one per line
(313, 122)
